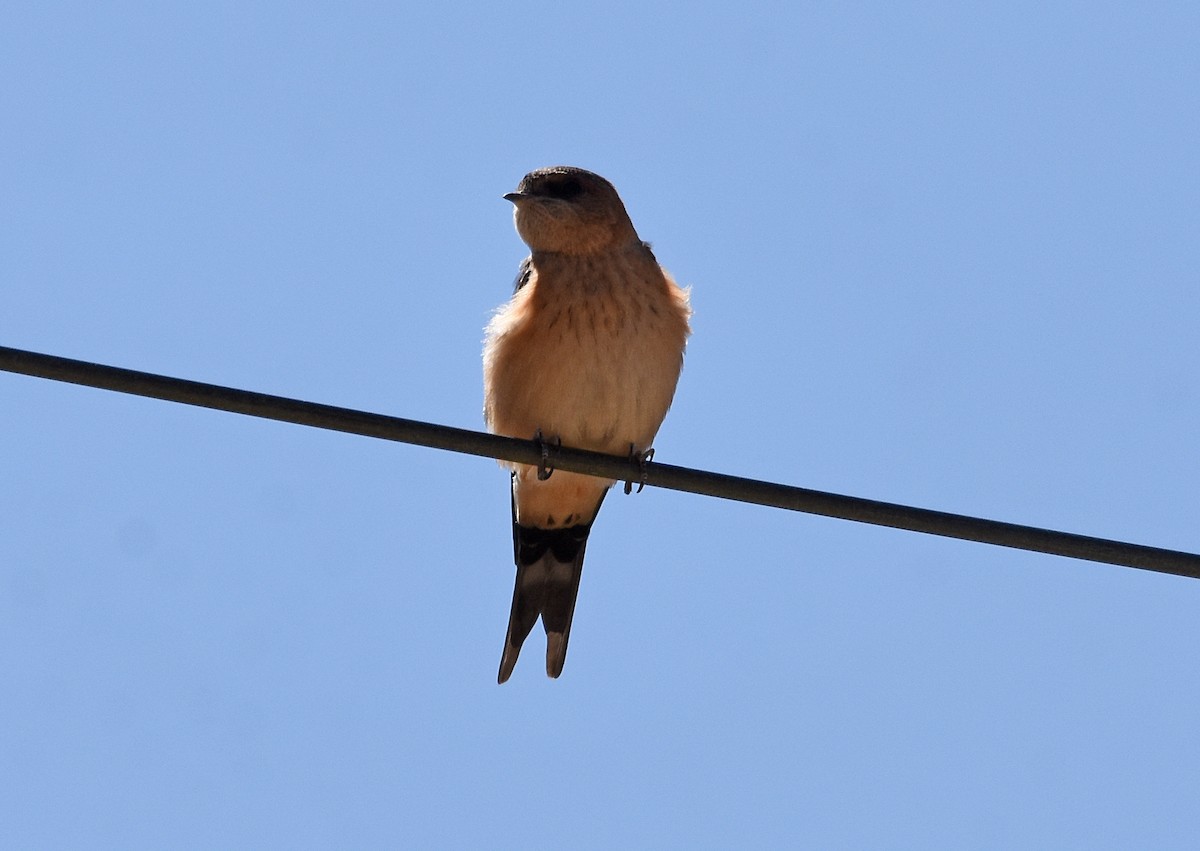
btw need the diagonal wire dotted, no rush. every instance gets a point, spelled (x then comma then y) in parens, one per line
(597, 464)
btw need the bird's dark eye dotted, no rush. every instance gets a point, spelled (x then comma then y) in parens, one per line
(564, 189)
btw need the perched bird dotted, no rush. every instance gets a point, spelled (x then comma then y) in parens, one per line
(587, 353)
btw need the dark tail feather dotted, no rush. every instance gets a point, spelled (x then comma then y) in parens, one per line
(549, 564)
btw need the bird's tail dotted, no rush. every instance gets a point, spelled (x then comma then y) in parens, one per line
(549, 564)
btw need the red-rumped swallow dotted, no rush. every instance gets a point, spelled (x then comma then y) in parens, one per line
(587, 353)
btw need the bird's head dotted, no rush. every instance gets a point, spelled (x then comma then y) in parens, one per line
(569, 210)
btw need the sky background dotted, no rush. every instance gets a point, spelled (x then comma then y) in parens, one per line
(941, 254)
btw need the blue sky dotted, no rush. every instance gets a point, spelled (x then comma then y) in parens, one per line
(941, 254)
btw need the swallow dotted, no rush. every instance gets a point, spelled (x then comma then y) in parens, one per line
(587, 353)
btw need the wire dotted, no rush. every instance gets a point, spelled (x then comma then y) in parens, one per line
(596, 464)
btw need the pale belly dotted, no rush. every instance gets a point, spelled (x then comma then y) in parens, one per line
(593, 382)
(596, 370)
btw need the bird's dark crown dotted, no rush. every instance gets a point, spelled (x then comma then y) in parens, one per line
(564, 183)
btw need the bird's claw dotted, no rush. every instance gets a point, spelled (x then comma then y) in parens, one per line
(545, 468)
(642, 459)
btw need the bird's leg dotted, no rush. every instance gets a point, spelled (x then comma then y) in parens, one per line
(544, 467)
(642, 459)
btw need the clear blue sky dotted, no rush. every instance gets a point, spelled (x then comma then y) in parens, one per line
(941, 254)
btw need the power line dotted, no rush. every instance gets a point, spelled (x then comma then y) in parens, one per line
(596, 464)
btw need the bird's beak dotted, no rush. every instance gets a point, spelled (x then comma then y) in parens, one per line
(515, 197)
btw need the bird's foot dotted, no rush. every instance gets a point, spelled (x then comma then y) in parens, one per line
(642, 459)
(545, 468)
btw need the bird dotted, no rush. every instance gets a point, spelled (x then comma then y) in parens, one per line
(587, 354)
